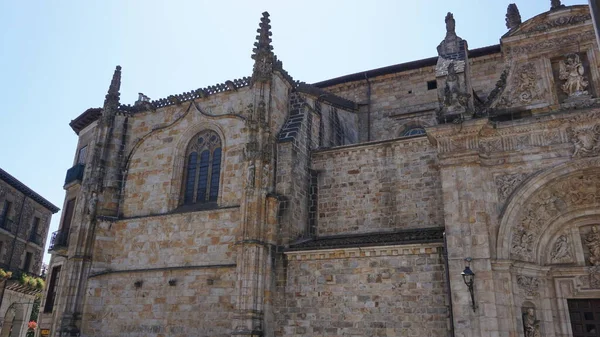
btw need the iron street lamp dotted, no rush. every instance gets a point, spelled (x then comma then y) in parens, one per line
(469, 279)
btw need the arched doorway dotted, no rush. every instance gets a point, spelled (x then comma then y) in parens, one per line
(547, 235)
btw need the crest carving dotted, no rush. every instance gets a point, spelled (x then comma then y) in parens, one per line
(528, 284)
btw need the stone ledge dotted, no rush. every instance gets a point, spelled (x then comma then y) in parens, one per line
(344, 253)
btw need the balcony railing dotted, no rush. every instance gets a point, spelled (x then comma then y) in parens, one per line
(7, 224)
(36, 238)
(75, 173)
(59, 239)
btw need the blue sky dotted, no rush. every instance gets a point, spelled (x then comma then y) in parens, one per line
(57, 57)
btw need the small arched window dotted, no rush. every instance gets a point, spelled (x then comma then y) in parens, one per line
(414, 131)
(202, 168)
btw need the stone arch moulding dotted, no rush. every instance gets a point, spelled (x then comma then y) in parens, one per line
(574, 219)
(520, 226)
(181, 146)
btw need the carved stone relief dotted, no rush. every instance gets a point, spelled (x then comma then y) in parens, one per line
(592, 241)
(455, 99)
(529, 284)
(558, 22)
(594, 277)
(585, 139)
(548, 44)
(507, 183)
(561, 251)
(522, 88)
(575, 191)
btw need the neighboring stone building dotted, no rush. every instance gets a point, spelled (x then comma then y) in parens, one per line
(24, 222)
(269, 207)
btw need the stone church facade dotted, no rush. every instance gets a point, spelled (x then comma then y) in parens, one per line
(264, 206)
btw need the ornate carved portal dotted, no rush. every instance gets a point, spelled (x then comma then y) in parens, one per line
(577, 191)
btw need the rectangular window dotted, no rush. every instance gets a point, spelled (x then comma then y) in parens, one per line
(34, 235)
(66, 224)
(82, 155)
(27, 264)
(35, 227)
(4, 217)
(52, 289)
(431, 85)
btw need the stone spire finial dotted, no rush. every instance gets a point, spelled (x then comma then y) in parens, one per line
(513, 17)
(450, 24)
(452, 46)
(262, 54)
(112, 97)
(555, 4)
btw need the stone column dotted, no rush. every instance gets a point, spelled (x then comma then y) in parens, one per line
(468, 213)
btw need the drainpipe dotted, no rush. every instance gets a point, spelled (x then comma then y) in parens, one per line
(368, 108)
(451, 314)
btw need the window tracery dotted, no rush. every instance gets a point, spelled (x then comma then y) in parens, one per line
(202, 168)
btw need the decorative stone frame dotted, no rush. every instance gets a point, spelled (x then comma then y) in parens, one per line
(179, 160)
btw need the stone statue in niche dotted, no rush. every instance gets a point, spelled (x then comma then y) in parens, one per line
(250, 176)
(592, 241)
(453, 97)
(561, 251)
(91, 206)
(531, 324)
(571, 71)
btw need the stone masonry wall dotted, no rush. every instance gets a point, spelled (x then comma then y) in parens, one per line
(176, 303)
(156, 168)
(378, 187)
(391, 291)
(404, 98)
(177, 240)
(20, 223)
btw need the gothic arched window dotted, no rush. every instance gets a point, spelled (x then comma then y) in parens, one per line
(202, 168)
(414, 131)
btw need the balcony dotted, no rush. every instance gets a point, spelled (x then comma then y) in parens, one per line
(59, 241)
(7, 224)
(36, 239)
(74, 174)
